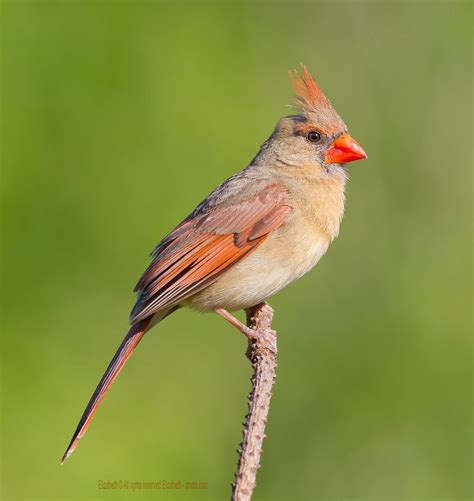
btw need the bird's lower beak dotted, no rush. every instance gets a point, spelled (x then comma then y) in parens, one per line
(344, 149)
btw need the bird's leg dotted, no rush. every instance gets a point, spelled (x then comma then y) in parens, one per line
(247, 331)
(251, 334)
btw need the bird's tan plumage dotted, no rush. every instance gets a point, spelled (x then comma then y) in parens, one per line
(257, 232)
(288, 253)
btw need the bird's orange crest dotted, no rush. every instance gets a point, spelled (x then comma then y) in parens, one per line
(308, 93)
(314, 104)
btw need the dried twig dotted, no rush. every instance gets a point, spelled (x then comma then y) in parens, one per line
(262, 354)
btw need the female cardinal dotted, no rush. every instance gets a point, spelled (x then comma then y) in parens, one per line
(254, 234)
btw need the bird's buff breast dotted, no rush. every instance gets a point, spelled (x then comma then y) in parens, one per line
(285, 256)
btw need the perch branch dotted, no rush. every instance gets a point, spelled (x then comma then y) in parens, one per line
(262, 354)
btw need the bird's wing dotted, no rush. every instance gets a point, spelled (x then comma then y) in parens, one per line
(204, 246)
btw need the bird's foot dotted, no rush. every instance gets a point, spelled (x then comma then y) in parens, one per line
(262, 339)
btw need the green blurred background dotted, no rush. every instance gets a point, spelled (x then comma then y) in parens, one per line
(117, 119)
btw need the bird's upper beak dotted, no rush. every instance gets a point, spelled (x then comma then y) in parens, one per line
(344, 149)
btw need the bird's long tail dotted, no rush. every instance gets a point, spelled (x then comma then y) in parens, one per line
(130, 342)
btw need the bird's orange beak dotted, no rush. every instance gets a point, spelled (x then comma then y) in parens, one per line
(344, 149)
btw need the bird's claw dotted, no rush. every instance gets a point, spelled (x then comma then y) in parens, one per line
(264, 338)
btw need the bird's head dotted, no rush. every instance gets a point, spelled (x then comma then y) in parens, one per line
(317, 137)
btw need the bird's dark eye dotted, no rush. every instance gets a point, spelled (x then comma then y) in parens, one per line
(314, 136)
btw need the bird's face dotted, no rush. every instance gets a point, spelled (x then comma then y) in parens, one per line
(317, 138)
(301, 142)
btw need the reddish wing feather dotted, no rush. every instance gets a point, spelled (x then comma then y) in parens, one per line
(188, 259)
(204, 246)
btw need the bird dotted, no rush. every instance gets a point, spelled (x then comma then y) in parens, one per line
(260, 230)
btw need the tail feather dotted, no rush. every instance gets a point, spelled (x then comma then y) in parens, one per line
(130, 342)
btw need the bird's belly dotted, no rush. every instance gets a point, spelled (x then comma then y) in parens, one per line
(281, 259)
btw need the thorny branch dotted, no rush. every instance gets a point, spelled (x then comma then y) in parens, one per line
(262, 354)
